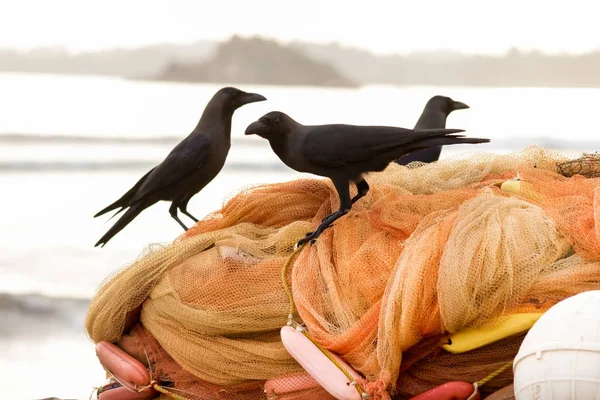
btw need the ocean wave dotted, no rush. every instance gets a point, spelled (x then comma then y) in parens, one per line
(77, 166)
(37, 314)
(37, 303)
(32, 152)
(32, 138)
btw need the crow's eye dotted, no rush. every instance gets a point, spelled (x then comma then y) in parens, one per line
(276, 121)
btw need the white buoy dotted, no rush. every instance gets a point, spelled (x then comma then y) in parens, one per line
(560, 355)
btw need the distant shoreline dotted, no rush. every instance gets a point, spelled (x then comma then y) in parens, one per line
(266, 62)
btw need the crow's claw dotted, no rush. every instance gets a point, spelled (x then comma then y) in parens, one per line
(312, 236)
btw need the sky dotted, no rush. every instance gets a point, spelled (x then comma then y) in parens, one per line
(383, 27)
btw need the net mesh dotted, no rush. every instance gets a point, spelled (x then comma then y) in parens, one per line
(432, 249)
(587, 165)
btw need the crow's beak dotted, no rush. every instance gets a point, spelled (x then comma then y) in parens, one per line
(459, 106)
(252, 98)
(256, 128)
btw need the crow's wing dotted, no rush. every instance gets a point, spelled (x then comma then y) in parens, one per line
(428, 155)
(188, 156)
(334, 146)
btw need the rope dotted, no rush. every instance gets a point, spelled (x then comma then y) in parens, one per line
(488, 378)
(154, 384)
(292, 311)
(494, 374)
(164, 391)
(287, 289)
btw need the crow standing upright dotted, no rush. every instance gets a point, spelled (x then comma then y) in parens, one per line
(434, 116)
(344, 153)
(190, 166)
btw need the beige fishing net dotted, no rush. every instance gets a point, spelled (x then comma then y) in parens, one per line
(432, 249)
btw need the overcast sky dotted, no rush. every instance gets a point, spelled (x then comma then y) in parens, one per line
(470, 26)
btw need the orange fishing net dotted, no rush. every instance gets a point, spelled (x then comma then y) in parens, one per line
(432, 249)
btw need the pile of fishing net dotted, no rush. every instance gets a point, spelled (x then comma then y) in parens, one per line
(431, 250)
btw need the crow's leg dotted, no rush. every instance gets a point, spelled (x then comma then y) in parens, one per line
(327, 217)
(183, 209)
(363, 188)
(173, 212)
(343, 189)
(328, 223)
